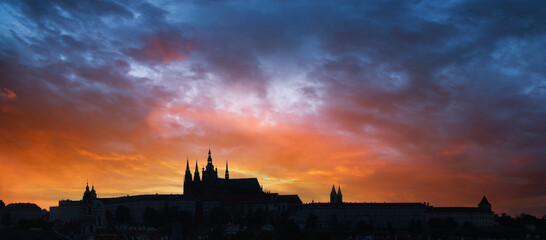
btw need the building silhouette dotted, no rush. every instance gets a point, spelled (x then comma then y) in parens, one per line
(203, 191)
(402, 215)
(477, 216)
(89, 213)
(210, 186)
(336, 197)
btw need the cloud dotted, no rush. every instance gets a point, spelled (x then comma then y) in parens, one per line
(394, 101)
(163, 47)
(8, 94)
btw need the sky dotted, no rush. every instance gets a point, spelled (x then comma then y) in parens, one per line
(394, 101)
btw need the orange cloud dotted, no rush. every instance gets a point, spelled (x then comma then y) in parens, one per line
(164, 47)
(158, 49)
(8, 93)
(521, 160)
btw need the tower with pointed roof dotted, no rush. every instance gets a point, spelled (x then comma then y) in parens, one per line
(484, 204)
(210, 174)
(336, 197)
(87, 193)
(187, 178)
(93, 193)
(196, 177)
(227, 171)
(333, 195)
(92, 211)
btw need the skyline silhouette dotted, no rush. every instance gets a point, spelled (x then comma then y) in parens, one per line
(336, 198)
(228, 208)
(205, 184)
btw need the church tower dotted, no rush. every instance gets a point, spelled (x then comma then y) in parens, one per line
(187, 178)
(210, 174)
(93, 193)
(333, 195)
(339, 196)
(88, 195)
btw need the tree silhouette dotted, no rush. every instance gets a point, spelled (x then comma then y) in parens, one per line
(32, 223)
(6, 219)
(122, 214)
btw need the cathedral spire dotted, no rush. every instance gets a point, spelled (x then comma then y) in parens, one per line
(209, 159)
(196, 174)
(333, 195)
(227, 171)
(188, 178)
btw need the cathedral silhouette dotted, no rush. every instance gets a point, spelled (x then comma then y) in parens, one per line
(210, 186)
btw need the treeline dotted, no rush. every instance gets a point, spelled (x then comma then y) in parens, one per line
(7, 220)
(522, 226)
(257, 224)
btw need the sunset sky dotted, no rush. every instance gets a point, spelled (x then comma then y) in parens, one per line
(396, 101)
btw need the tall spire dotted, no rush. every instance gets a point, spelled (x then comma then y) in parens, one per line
(196, 174)
(227, 171)
(209, 159)
(188, 184)
(333, 195)
(339, 196)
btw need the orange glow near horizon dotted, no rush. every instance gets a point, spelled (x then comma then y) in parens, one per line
(50, 160)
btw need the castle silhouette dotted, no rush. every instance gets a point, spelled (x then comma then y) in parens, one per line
(210, 186)
(204, 192)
